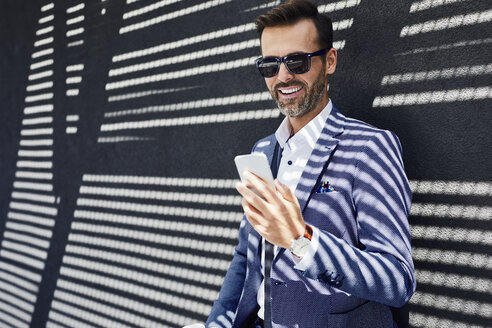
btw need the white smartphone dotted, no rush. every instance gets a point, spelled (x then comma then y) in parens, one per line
(256, 163)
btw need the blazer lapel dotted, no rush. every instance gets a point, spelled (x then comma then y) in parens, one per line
(267, 147)
(318, 160)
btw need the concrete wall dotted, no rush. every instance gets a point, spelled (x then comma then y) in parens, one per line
(120, 121)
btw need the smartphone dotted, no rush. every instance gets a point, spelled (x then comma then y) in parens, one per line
(256, 163)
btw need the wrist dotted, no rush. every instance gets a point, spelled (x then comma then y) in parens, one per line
(300, 246)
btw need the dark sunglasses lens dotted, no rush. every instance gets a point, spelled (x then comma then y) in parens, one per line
(268, 67)
(298, 64)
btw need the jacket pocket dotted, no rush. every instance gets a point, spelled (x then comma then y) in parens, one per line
(331, 212)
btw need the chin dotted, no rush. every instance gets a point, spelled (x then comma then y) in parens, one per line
(293, 112)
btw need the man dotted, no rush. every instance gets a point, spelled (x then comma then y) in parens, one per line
(338, 213)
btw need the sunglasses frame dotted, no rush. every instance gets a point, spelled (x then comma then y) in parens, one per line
(281, 60)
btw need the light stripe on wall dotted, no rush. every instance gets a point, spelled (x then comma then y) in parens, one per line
(433, 97)
(457, 281)
(442, 187)
(209, 102)
(194, 71)
(76, 8)
(40, 64)
(46, 19)
(149, 8)
(263, 6)
(338, 5)
(448, 73)
(193, 120)
(161, 195)
(147, 93)
(173, 15)
(44, 42)
(428, 4)
(161, 181)
(447, 23)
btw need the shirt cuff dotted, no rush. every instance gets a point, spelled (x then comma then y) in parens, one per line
(304, 262)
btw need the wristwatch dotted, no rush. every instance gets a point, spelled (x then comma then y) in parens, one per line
(300, 245)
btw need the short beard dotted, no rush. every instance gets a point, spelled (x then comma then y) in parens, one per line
(309, 102)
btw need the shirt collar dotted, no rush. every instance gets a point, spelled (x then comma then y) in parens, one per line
(309, 133)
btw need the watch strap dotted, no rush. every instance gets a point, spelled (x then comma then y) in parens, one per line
(308, 232)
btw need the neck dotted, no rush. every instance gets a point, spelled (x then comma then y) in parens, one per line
(297, 123)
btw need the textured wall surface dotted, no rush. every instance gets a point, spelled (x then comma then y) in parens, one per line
(120, 121)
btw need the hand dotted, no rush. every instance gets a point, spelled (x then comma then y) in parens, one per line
(274, 213)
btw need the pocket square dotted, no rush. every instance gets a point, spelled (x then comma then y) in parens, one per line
(325, 187)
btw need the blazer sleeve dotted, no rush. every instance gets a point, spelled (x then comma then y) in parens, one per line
(380, 268)
(224, 308)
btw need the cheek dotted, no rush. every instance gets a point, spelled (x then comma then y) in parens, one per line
(270, 83)
(315, 72)
(311, 77)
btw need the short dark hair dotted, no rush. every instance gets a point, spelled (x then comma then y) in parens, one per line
(291, 12)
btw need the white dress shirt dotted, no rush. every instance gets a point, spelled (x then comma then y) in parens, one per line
(296, 152)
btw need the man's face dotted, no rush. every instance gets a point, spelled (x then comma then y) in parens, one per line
(296, 94)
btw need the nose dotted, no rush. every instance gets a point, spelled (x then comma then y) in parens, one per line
(284, 75)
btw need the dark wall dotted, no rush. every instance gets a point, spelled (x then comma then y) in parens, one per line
(117, 138)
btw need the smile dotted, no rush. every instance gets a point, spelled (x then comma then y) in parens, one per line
(290, 91)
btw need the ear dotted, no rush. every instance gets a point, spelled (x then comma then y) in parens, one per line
(331, 61)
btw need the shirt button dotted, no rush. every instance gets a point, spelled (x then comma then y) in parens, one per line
(289, 162)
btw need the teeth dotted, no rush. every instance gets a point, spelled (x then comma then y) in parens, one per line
(289, 91)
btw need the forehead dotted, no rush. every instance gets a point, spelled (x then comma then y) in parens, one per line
(284, 40)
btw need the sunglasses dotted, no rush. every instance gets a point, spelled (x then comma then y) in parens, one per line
(295, 63)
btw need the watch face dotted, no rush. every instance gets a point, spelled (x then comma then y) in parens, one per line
(300, 246)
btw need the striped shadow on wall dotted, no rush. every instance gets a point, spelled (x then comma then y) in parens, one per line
(132, 268)
(122, 209)
(33, 207)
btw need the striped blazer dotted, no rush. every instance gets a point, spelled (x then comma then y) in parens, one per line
(363, 264)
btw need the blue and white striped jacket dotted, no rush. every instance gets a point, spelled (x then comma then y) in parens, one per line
(363, 264)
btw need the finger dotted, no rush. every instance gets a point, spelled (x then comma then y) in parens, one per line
(285, 191)
(251, 210)
(254, 216)
(251, 197)
(264, 188)
(245, 191)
